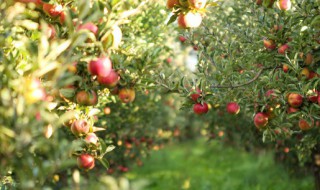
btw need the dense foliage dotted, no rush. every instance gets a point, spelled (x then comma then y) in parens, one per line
(96, 85)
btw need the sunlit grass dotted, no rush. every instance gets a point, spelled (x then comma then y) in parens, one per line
(210, 166)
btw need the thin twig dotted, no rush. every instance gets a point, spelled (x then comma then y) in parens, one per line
(243, 84)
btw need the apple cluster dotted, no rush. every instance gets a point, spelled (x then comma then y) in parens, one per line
(188, 12)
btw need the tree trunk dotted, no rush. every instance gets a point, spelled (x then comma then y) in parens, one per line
(316, 172)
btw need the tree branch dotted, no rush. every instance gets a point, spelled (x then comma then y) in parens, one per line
(244, 84)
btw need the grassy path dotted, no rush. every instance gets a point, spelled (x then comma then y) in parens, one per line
(202, 166)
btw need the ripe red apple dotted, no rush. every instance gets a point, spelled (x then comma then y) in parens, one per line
(100, 66)
(127, 95)
(260, 120)
(62, 17)
(182, 39)
(196, 95)
(199, 108)
(111, 80)
(85, 161)
(292, 110)
(285, 68)
(172, 3)
(319, 100)
(269, 44)
(295, 100)
(189, 20)
(123, 169)
(52, 10)
(284, 5)
(304, 125)
(277, 28)
(259, 2)
(195, 48)
(92, 98)
(89, 26)
(80, 127)
(282, 49)
(312, 74)
(197, 4)
(91, 138)
(82, 97)
(313, 96)
(233, 108)
(270, 94)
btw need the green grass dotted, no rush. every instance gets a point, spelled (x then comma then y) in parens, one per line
(210, 166)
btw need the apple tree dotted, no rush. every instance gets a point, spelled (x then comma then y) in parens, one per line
(260, 59)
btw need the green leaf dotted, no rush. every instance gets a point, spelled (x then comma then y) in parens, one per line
(172, 19)
(316, 22)
(105, 163)
(67, 92)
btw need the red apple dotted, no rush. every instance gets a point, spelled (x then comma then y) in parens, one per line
(319, 100)
(80, 127)
(100, 66)
(182, 39)
(270, 94)
(199, 108)
(233, 108)
(85, 161)
(195, 48)
(82, 97)
(52, 10)
(127, 95)
(269, 44)
(259, 2)
(295, 100)
(304, 125)
(284, 5)
(92, 98)
(285, 68)
(62, 17)
(91, 138)
(172, 3)
(196, 95)
(260, 120)
(313, 96)
(277, 27)
(292, 110)
(197, 4)
(189, 20)
(312, 74)
(89, 26)
(282, 49)
(111, 80)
